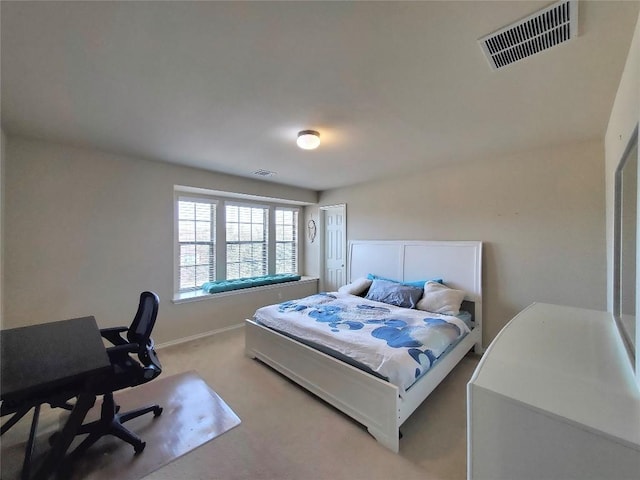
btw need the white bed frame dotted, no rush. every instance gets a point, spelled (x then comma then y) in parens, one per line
(369, 400)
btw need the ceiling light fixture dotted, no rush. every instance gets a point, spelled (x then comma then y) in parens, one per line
(308, 139)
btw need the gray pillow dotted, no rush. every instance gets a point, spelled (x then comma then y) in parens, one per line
(394, 293)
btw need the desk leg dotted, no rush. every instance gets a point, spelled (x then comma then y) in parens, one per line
(15, 418)
(26, 464)
(56, 455)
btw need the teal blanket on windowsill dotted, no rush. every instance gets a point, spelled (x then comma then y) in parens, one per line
(229, 285)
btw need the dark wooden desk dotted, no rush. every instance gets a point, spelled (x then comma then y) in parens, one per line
(47, 363)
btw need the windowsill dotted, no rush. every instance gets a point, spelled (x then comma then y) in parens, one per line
(198, 295)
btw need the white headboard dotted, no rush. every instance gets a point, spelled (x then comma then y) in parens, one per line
(458, 263)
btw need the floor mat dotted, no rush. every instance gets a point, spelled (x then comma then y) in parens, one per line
(193, 414)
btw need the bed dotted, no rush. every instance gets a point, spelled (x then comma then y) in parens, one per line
(377, 403)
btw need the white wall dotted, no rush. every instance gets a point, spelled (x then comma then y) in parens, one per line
(540, 213)
(625, 116)
(86, 232)
(2, 168)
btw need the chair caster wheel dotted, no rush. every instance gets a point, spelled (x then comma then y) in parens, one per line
(157, 411)
(139, 448)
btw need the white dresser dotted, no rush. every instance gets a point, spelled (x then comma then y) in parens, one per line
(554, 397)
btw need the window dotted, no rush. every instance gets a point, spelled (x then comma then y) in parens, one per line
(286, 240)
(246, 241)
(196, 242)
(227, 239)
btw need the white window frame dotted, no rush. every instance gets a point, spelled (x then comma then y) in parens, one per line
(176, 257)
(267, 226)
(221, 202)
(295, 233)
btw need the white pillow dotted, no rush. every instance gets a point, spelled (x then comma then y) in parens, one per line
(439, 298)
(356, 287)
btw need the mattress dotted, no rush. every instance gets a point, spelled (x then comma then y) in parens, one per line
(394, 343)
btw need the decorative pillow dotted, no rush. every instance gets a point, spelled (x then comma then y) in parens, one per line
(439, 298)
(358, 286)
(415, 283)
(394, 293)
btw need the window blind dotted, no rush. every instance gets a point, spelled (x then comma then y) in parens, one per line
(286, 226)
(196, 242)
(247, 240)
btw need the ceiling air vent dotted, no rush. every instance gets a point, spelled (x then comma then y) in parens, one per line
(540, 31)
(264, 173)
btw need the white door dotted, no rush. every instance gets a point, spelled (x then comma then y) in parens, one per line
(334, 248)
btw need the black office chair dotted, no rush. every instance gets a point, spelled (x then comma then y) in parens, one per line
(127, 372)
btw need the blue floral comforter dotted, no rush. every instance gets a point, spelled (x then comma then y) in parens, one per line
(397, 343)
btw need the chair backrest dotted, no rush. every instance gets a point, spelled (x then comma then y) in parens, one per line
(140, 332)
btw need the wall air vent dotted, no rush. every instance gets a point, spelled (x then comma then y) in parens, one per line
(538, 32)
(264, 173)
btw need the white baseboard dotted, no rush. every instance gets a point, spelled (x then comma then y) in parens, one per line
(197, 336)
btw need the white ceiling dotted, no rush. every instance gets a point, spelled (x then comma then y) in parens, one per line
(393, 87)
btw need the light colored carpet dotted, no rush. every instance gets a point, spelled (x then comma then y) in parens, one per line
(287, 433)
